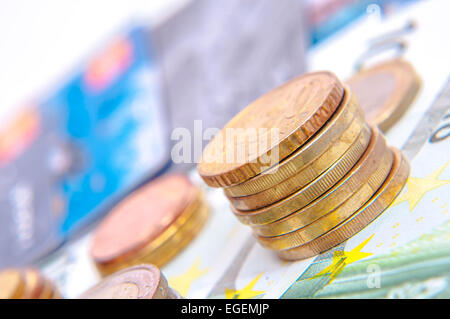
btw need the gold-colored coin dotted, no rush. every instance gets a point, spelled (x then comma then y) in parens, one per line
(304, 233)
(47, 292)
(358, 174)
(273, 126)
(34, 284)
(334, 199)
(341, 157)
(316, 155)
(11, 284)
(320, 189)
(386, 91)
(169, 243)
(379, 202)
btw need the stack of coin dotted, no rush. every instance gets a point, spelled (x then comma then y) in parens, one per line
(138, 282)
(152, 225)
(26, 283)
(303, 168)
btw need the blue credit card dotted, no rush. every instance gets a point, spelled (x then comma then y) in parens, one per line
(64, 162)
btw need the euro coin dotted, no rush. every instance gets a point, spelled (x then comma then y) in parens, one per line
(139, 282)
(34, 284)
(270, 128)
(359, 173)
(11, 284)
(145, 220)
(385, 91)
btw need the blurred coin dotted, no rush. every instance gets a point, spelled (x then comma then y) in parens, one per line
(332, 195)
(316, 155)
(139, 282)
(386, 91)
(379, 202)
(11, 284)
(302, 233)
(277, 123)
(34, 284)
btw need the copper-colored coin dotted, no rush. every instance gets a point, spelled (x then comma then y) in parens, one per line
(316, 155)
(329, 196)
(34, 284)
(386, 91)
(11, 284)
(379, 202)
(341, 156)
(169, 243)
(142, 217)
(301, 233)
(139, 282)
(277, 123)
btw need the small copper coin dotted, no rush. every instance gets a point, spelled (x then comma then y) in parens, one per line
(138, 282)
(379, 202)
(386, 91)
(277, 123)
(34, 284)
(142, 217)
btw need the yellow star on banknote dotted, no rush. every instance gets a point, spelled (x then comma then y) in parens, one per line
(344, 258)
(183, 282)
(418, 187)
(245, 293)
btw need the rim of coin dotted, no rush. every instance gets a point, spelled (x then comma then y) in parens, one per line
(332, 200)
(330, 219)
(348, 113)
(138, 282)
(11, 283)
(329, 169)
(386, 91)
(149, 211)
(34, 283)
(295, 110)
(363, 168)
(379, 202)
(168, 244)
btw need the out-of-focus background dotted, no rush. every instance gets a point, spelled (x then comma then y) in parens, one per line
(92, 90)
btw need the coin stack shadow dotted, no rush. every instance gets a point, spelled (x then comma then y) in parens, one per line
(334, 174)
(26, 283)
(151, 225)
